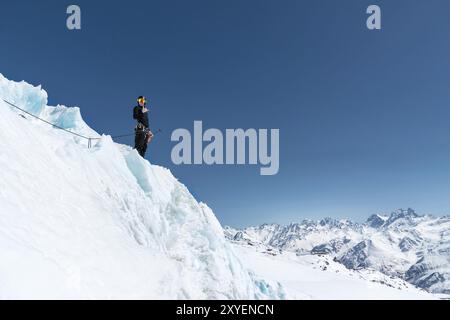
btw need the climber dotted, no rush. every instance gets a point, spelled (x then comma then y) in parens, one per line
(143, 134)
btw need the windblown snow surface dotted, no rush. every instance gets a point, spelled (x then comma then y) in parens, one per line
(103, 223)
(313, 277)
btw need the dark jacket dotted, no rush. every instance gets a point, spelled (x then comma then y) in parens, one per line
(140, 116)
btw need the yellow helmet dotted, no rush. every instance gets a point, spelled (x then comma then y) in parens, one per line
(142, 99)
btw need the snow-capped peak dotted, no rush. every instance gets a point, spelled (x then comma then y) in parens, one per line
(402, 244)
(376, 220)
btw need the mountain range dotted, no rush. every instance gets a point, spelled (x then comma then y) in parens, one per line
(403, 244)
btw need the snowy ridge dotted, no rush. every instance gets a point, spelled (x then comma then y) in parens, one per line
(403, 244)
(102, 222)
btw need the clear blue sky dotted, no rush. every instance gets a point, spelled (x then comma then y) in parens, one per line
(363, 115)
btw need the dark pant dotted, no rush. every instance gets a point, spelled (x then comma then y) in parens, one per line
(140, 142)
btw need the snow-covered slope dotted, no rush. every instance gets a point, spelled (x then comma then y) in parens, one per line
(102, 222)
(319, 277)
(402, 244)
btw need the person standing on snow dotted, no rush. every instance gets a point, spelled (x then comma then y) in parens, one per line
(142, 130)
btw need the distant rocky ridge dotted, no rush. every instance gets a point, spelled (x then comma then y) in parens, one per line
(404, 244)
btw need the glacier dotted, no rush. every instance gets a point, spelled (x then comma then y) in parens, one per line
(101, 222)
